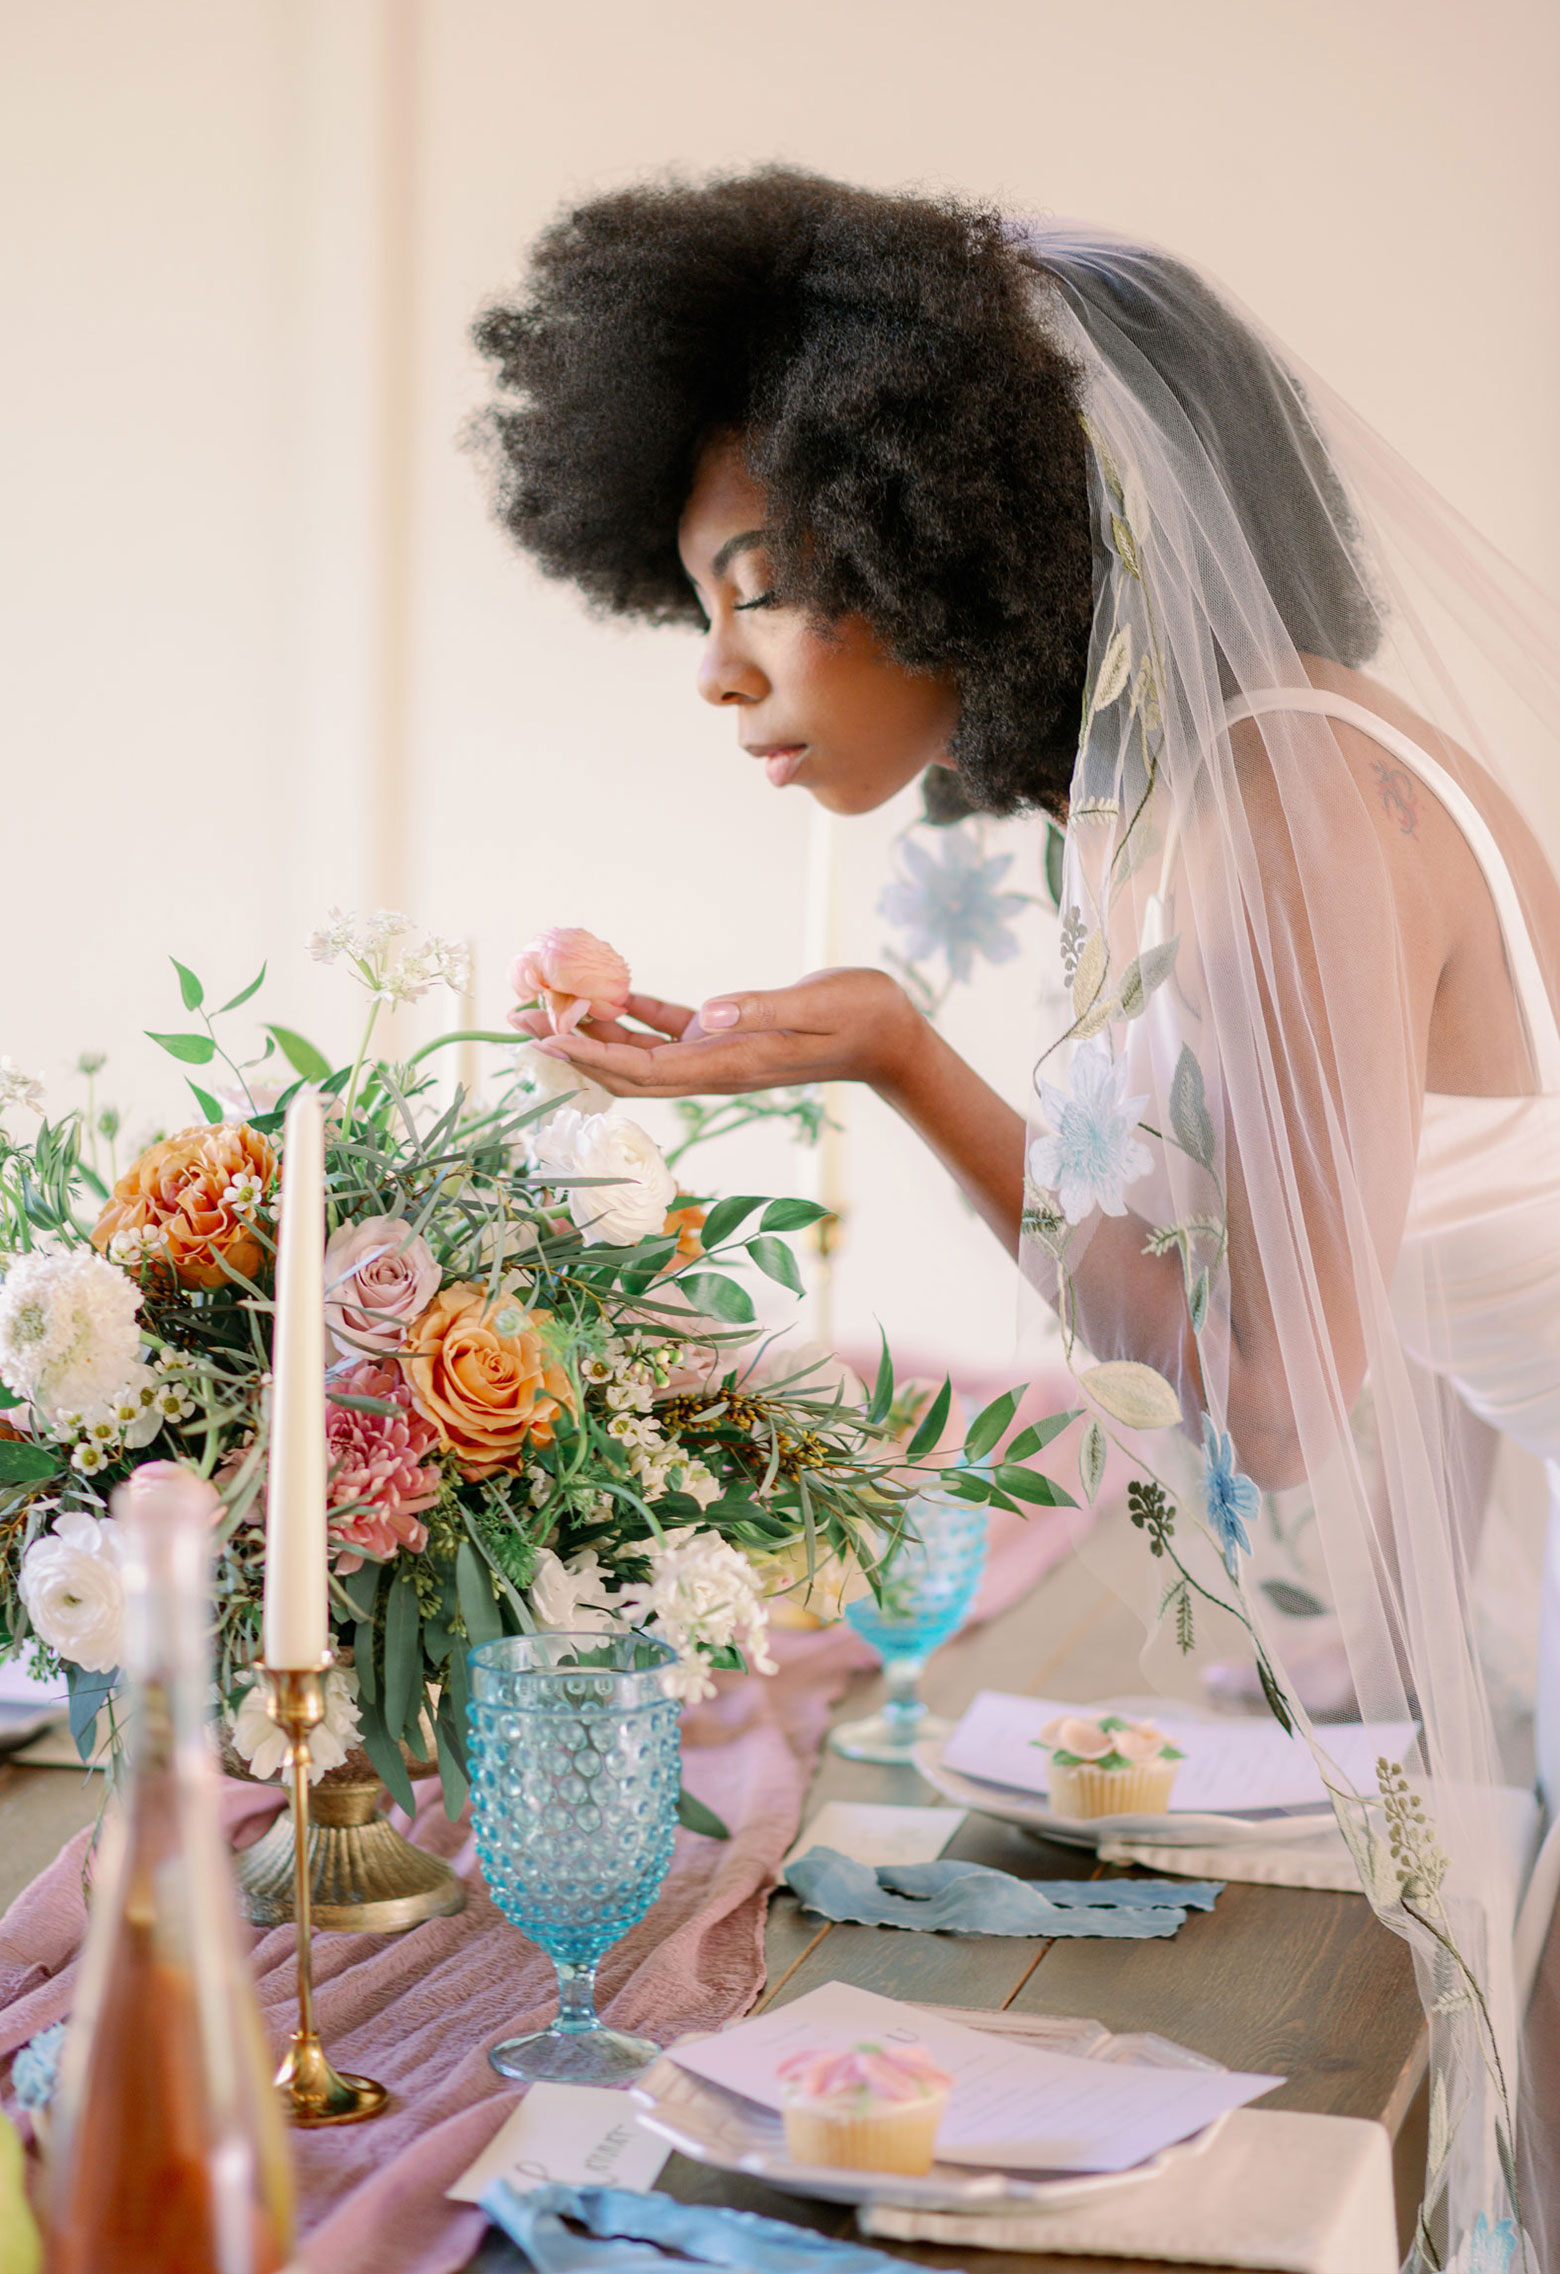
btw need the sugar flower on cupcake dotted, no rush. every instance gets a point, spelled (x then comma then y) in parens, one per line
(1105, 1765)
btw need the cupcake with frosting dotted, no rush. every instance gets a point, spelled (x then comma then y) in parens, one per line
(873, 2108)
(1104, 1765)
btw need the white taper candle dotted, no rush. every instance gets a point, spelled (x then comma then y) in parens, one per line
(294, 1628)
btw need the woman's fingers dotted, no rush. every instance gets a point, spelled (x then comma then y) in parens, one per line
(708, 1066)
(666, 1018)
(796, 1010)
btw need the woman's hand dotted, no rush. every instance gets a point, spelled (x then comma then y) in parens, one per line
(836, 1026)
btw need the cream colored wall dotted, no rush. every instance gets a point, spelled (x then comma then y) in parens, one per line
(266, 649)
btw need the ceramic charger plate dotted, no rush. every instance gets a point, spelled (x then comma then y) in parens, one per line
(1173, 1828)
(712, 2126)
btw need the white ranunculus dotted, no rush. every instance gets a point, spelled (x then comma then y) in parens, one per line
(572, 1598)
(68, 1333)
(642, 1189)
(258, 1740)
(548, 1077)
(74, 1593)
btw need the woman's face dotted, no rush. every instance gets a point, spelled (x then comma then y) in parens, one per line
(827, 709)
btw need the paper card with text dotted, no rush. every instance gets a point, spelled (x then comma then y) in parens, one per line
(873, 1832)
(1231, 1764)
(584, 2135)
(1013, 2105)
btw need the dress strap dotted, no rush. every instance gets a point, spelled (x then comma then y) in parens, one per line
(1526, 976)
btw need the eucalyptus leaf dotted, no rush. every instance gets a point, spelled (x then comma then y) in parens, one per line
(385, 1754)
(207, 1103)
(478, 1604)
(403, 1653)
(776, 1262)
(1133, 1394)
(7, 1398)
(449, 1738)
(883, 1388)
(189, 1049)
(89, 1693)
(721, 1298)
(190, 988)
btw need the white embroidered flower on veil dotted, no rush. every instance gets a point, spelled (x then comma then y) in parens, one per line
(1093, 1153)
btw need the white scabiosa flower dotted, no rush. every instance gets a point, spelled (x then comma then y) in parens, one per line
(68, 1334)
(1094, 1153)
(258, 1741)
(71, 1585)
(702, 1596)
(572, 1598)
(642, 1188)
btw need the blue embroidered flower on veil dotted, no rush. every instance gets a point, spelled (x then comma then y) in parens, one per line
(1233, 1500)
(1094, 1153)
(952, 906)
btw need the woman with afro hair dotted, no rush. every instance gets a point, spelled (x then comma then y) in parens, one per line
(1037, 514)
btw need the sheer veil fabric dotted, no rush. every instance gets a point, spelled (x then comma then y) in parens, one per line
(1233, 1137)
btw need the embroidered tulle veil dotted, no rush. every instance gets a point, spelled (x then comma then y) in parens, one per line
(1235, 1110)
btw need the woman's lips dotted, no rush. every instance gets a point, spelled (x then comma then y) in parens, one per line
(781, 760)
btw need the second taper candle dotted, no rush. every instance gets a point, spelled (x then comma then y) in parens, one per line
(294, 1630)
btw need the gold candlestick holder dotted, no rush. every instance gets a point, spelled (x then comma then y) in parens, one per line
(312, 2091)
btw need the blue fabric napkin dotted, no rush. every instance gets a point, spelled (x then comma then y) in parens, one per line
(970, 1898)
(631, 2233)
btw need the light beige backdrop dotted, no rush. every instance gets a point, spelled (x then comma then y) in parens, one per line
(263, 649)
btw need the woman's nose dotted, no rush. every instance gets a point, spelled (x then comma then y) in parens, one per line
(726, 674)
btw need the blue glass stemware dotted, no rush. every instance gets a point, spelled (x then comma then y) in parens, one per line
(575, 1765)
(928, 1586)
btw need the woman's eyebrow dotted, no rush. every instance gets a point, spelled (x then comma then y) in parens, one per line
(746, 542)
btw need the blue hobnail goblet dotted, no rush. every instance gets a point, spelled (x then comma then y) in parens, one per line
(929, 1584)
(575, 1768)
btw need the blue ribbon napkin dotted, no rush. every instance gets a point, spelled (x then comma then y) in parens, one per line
(970, 1898)
(630, 2233)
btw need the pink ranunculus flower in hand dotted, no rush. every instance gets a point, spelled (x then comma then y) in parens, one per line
(381, 1461)
(378, 1278)
(576, 975)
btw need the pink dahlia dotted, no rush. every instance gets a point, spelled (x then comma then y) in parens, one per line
(378, 1460)
(576, 975)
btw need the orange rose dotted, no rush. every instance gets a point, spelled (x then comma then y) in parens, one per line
(190, 1204)
(488, 1392)
(687, 1222)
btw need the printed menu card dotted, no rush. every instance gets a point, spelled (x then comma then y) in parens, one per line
(1013, 2105)
(1232, 1764)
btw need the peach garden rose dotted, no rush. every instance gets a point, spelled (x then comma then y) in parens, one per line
(482, 1375)
(192, 1204)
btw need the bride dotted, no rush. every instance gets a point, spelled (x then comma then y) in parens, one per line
(1041, 516)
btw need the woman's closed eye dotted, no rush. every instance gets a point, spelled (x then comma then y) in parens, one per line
(770, 599)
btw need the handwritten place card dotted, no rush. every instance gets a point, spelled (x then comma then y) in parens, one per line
(1013, 2105)
(874, 1832)
(584, 2135)
(1231, 1766)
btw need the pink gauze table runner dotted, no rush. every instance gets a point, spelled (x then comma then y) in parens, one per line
(419, 2010)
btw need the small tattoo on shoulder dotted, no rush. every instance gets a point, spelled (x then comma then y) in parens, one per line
(1399, 794)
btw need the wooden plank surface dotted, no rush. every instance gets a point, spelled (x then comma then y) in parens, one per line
(1304, 1983)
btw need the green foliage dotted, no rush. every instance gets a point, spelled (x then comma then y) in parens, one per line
(189, 1049)
(1152, 1511)
(300, 1054)
(190, 988)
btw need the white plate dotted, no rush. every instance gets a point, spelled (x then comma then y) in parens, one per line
(712, 2126)
(1178, 1828)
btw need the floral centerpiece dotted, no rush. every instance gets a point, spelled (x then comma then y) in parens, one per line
(548, 1400)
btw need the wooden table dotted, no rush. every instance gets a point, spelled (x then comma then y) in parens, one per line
(1305, 1984)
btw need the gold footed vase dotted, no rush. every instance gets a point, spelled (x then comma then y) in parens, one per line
(365, 1878)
